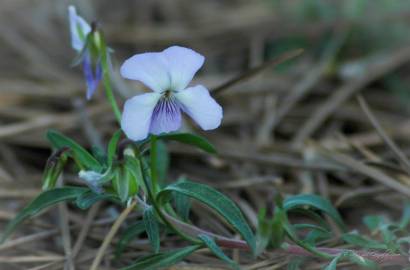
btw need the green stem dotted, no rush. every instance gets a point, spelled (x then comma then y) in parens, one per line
(110, 96)
(161, 215)
(302, 244)
(106, 78)
(153, 164)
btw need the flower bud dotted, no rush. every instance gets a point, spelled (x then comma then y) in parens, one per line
(126, 178)
(54, 167)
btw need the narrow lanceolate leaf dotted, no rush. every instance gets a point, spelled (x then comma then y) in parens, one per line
(295, 263)
(215, 200)
(44, 200)
(405, 219)
(278, 228)
(152, 228)
(190, 139)
(99, 154)
(59, 141)
(360, 261)
(162, 260)
(333, 264)
(374, 223)
(210, 243)
(263, 231)
(130, 233)
(112, 147)
(363, 241)
(317, 202)
(354, 258)
(88, 198)
(182, 205)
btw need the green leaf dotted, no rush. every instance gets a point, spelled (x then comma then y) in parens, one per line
(215, 200)
(99, 154)
(359, 260)
(300, 201)
(295, 263)
(333, 264)
(263, 232)
(315, 216)
(112, 147)
(405, 218)
(304, 226)
(42, 201)
(278, 229)
(190, 139)
(389, 237)
(88, 198)
(317, 234)
(210, 243)
(374, 222)
(81, 155)
(354, 258)
(290, 232)
(162, 260)
(152, 228)
(362, 241)
(130, 233)
(182, 205)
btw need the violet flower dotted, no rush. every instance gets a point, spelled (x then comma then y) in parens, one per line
(167, 74)
(79, 29)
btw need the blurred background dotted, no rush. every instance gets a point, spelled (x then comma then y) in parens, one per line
(293, 128)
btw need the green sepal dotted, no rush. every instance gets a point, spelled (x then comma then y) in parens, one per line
(80, 56)
(53, 169)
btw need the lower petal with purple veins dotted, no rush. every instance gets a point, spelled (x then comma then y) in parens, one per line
(166, 116)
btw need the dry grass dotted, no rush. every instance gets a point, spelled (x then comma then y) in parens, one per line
(296, 128)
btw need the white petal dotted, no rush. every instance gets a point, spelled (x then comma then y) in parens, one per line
(183, 63)
(197, 103)
(137, 114)
(77, 24)
(149, 68)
